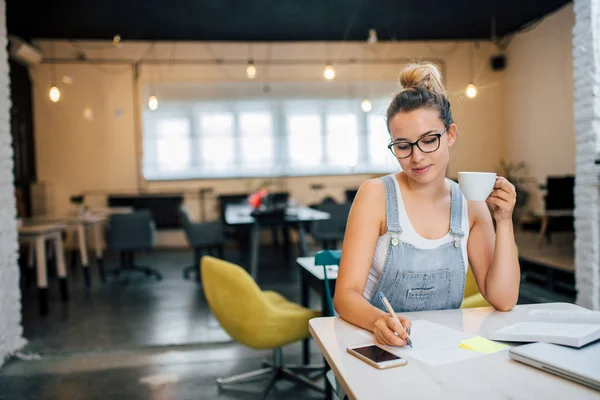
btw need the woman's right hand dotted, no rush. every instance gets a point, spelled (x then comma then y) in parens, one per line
(385, 326)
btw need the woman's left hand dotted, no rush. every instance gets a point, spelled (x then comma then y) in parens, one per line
(502, 199)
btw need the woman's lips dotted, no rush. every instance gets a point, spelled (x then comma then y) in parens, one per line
(421, 171)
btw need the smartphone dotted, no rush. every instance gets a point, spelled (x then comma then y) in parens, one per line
(377, 356)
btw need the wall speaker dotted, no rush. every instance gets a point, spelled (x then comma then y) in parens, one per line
(498, 62)
(23, 52)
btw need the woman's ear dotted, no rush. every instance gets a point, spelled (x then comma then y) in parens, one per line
(451, 132)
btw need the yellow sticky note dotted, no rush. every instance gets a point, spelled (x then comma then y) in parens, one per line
(482, 345)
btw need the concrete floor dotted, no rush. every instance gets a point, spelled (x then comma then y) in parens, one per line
(147, 340)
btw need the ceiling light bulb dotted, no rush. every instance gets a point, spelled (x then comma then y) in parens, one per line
(152, 103)
(471, 91)
(372, 36)
(251, 70)
(54, 94)
(117, 40)
(329, 72)
(88, 114)
(366, 105)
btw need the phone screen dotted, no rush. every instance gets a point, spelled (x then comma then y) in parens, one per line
(376, 353)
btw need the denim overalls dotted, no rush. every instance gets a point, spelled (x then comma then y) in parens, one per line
(416, 279)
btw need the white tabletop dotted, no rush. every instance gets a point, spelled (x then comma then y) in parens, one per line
(42, 228)
(85, 219)
(241, 214)
(493, 376)
(308, 263)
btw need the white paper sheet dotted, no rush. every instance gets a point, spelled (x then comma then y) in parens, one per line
(433, 344)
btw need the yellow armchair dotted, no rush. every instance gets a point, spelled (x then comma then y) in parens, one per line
(473, 297)
(258, 319)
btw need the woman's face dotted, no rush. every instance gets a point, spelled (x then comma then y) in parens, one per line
(426, 163)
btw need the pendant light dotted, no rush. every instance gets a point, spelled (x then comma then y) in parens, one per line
(471, 89)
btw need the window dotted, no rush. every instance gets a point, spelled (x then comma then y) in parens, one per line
(173, 144)
(342, 140)
(305, 141)
(217, 147)
(256, 147)
(237, 138)
(378, 140)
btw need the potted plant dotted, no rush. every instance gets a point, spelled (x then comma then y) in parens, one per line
(513, 171)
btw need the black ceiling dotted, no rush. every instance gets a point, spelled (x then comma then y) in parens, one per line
(271, 20)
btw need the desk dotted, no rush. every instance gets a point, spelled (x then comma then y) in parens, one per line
(241, 214)
(77, 224)
(492, 376)
(37, 235)
(312, 276)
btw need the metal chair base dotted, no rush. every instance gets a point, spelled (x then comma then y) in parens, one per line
(277, 371)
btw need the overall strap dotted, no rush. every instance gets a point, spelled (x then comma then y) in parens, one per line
(391, 205)
(456, 213)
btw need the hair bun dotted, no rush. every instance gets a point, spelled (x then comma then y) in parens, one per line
(426, 76)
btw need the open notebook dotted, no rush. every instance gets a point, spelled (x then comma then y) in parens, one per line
(574, 335)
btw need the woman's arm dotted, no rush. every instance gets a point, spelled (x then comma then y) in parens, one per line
(365, 221)
(493, 256)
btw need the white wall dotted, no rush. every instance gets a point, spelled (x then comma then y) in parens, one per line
(539, 99)
(74, 154)
(586, 57)
(11, 331)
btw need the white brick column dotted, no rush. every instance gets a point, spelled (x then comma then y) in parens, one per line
(11, 332)
(586, 71)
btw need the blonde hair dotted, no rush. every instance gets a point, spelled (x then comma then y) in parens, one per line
(422, 87)
(427, 76)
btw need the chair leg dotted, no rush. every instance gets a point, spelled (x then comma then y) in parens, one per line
(128, 265)
(277, 371)
(276, 375)
(289, 374)
(244, 377)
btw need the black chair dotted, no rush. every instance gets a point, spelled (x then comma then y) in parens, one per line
(240, 234)
(266, 218)
(559, 197)
(350, 195)
(330, 232)
(204, 238)
(129, 233)
(280, 200)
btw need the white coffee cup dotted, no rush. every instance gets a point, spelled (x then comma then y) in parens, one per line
(476, 186)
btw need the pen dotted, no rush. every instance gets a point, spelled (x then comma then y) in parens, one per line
(387, 305)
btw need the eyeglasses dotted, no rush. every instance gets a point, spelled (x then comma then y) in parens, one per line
(427, 144)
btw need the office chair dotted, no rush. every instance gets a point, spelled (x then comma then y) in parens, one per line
(331, 231)
(202, 237)
(128, 233)
(257, 319)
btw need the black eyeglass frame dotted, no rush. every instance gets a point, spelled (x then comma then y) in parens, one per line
(412, 144)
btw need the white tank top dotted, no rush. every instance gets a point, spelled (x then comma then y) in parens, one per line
(409, 235)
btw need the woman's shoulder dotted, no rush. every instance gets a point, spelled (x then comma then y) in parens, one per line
(370, 193)
(373, 187)
(370, 202)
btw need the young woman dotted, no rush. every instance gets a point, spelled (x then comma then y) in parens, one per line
(411, 235)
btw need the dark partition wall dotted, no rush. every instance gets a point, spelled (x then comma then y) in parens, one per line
(21, 126)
